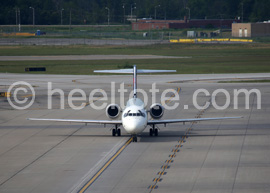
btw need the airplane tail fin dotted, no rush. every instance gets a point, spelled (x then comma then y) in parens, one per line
(134, 81)
(133, 71)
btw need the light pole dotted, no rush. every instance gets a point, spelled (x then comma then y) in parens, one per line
(188, 13)
(124, 13)
(18, 17)
(19, 12)
(242, 18)
(61, 16)
(156, 11)
(70, 20)
(33, 15)
(16, 10)
(108, 15)
(131, 8)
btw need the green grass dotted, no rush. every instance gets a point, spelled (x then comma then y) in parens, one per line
(183, 66)
(248, 58)
(195, 50)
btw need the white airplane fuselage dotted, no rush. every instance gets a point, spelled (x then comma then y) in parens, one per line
(134, 117)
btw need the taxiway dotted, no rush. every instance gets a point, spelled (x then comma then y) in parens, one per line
(218, 156)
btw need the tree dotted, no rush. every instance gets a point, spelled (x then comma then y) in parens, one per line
(93, 12)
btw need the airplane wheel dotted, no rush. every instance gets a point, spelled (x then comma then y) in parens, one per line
(119, 132)
(156, 132)
(134, 138)
(113, 132)
(151, 132)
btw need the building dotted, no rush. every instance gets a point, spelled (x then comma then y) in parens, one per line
(147, 24)
(250, 29)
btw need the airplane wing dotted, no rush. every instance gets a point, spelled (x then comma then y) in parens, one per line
(118, 122)
(166, 121)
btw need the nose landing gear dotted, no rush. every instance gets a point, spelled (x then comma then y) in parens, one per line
(134, 138)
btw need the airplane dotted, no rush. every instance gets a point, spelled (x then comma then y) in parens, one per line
(134, 118)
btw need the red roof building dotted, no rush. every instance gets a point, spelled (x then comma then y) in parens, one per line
(147, 24)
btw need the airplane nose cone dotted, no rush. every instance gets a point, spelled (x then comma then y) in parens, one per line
(133, 126)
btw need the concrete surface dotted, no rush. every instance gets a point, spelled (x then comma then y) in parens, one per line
(218, 156)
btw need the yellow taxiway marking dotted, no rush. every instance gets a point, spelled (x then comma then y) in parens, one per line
(153, 187)
(26, 96)
(168, 101)
(90, 182)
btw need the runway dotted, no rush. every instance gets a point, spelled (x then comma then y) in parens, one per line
(218, 156)
(83, 57)
(78, 41)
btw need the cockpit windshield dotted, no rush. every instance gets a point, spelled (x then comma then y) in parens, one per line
(138, 114)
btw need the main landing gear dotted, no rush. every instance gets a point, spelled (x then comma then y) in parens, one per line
(116, 131)
(153, 131)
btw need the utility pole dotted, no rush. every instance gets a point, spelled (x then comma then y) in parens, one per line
(156, 11)
(108, 15)
(62, 16)
(33, 15)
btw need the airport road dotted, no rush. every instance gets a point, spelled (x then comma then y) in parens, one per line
(217, 156)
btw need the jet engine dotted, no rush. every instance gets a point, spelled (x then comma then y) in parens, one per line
(113, 111)
(156, 111)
